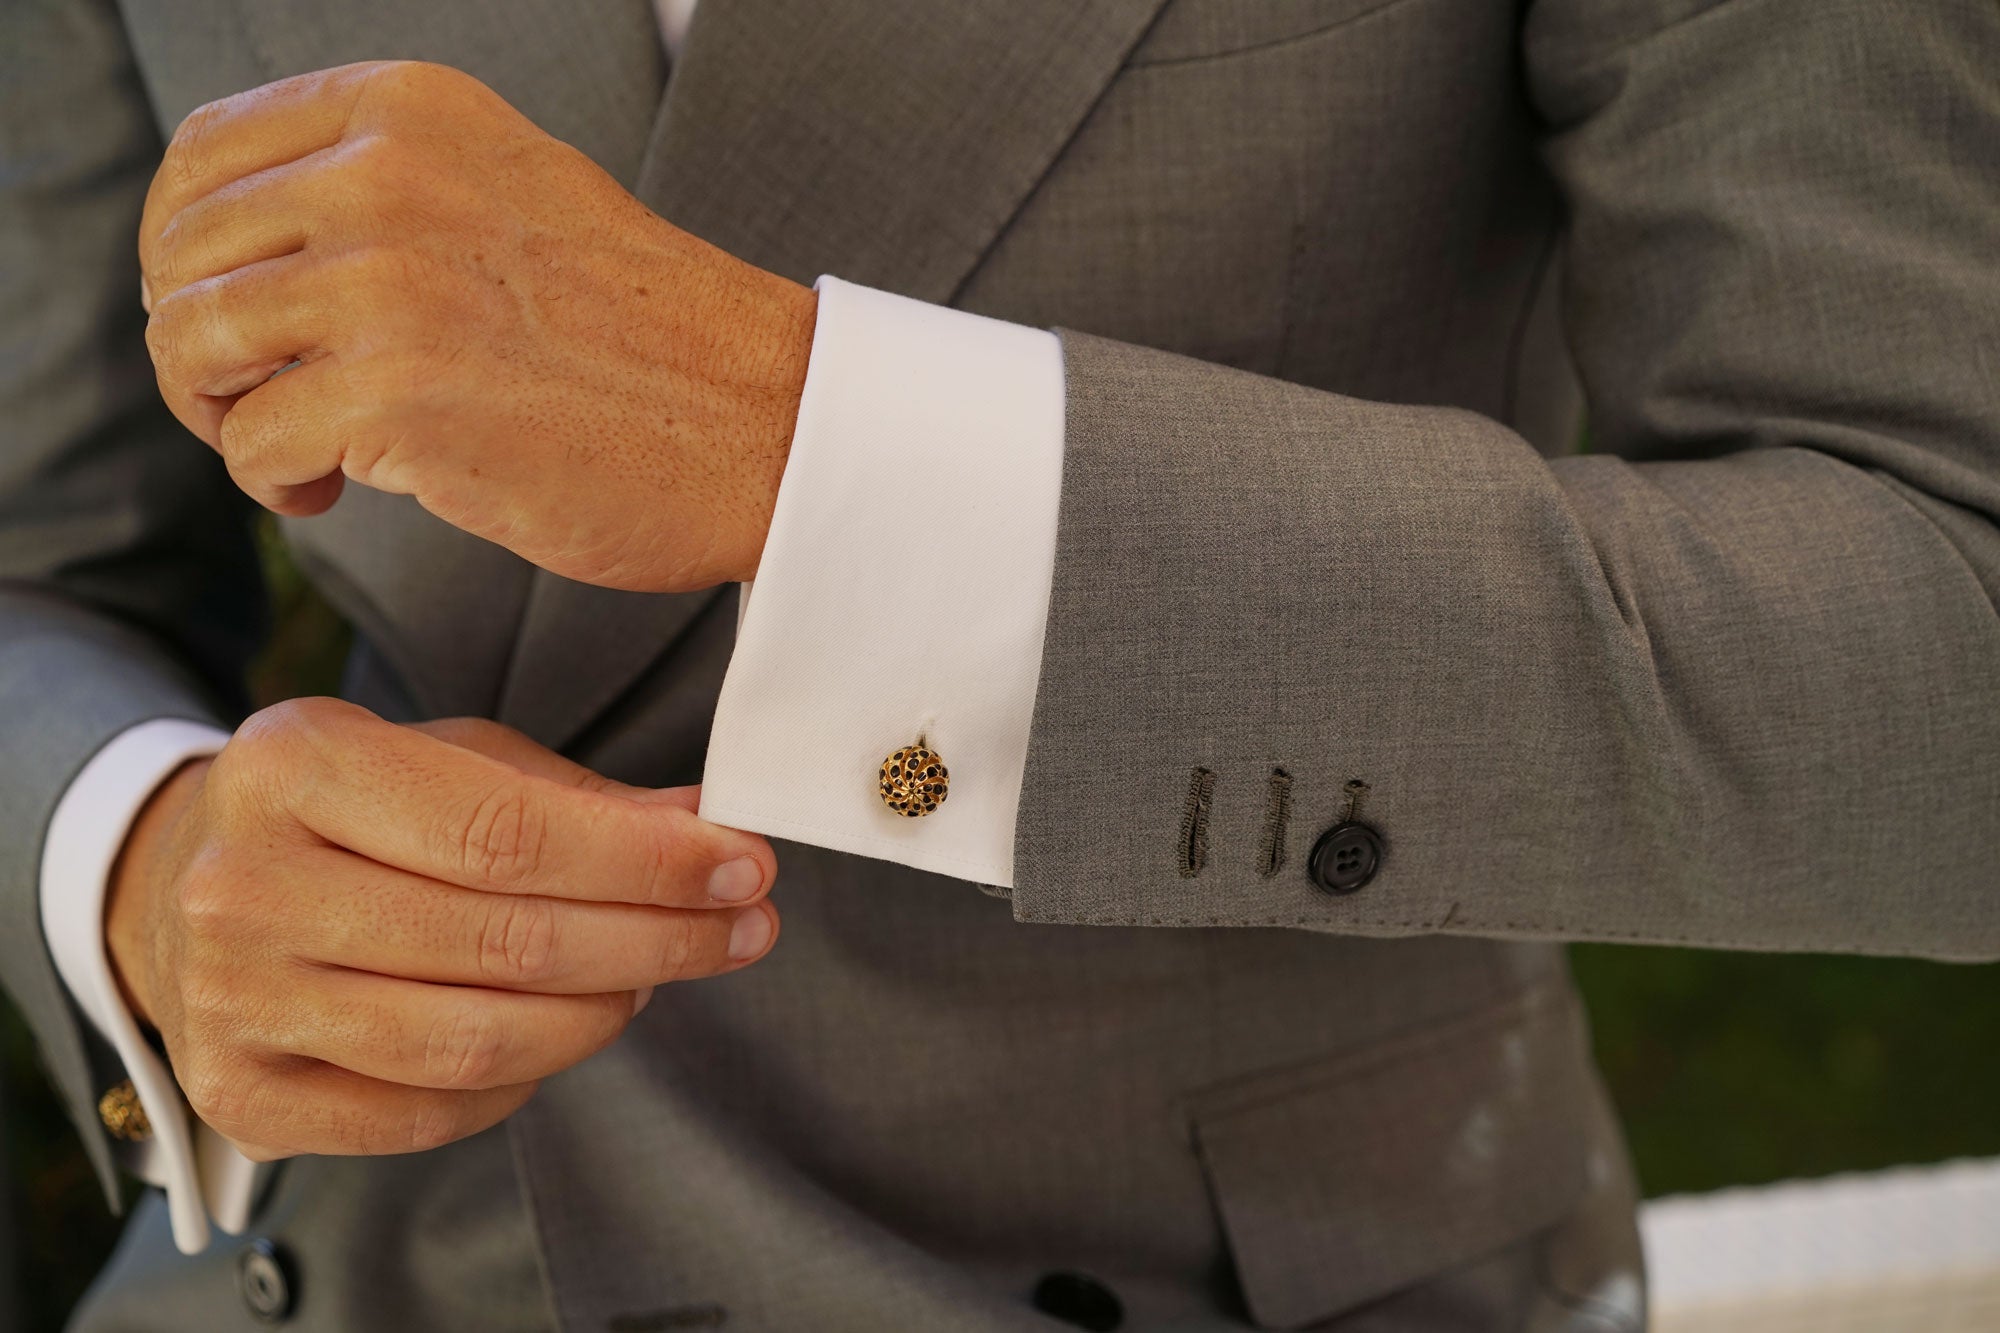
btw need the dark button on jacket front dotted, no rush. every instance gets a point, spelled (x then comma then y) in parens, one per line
(1345, 858)
(1077, 1299)
(264, 1276)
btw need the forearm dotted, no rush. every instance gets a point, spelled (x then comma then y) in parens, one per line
(1745, 702)
(1731, 701)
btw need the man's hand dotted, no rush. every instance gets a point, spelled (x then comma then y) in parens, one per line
(357, 937)
(480, 317)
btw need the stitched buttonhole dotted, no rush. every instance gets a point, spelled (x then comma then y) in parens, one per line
(1194, 823)
(1277, 814)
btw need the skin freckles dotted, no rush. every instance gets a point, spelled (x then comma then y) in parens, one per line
(480, 318)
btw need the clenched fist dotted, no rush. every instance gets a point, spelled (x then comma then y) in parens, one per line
(357, 937)
(474, 314)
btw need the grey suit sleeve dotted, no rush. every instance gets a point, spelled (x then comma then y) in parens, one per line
(128, 585)
(1731, 679)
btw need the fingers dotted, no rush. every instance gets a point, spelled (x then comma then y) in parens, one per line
(250, 132)
(498, 741)
(286, 440)
(415, 802)
(295, 1106)
(264, 215)
(242, 361)
(371, 918)
(323, 1001)
(226, 335)
(293, 119)
(459, 1038)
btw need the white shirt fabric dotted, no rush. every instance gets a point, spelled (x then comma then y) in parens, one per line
(903, 588)
(901, 596)
(85, 834)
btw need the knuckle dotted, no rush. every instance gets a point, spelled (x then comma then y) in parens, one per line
(248, 787)
(502, 840)
(375, 165)
(247, 435)
(375, 442)
(206, 902)
(193, 328)
(614, 1015)
(605, 1019)
(167, 337)
(464, 732)
(670, 862)
(269, 740)
(517, 941)
(405, 80)
(276, 753)
(316, 712)
(278, 728)
(462, 1051)
(162, 257)
(366, 155)
(217, 306)
(223, 1096)
(393, 79)
(682, 935)
(262, 731)
(432, 1122)
(181, 163)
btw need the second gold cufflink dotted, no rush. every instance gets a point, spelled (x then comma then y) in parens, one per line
(122, 1114)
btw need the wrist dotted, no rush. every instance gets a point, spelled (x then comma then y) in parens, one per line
(136, 878)
(786, 344)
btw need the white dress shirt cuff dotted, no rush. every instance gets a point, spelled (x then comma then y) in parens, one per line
(903, 588)
(202, 1172)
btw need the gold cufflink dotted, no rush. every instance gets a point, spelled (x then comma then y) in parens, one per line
(122, 1114)
(914, 780)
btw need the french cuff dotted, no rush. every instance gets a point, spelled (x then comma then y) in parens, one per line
(902, 592)
(202, 1173)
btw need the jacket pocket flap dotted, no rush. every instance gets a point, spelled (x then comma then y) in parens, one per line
(1342, 1180)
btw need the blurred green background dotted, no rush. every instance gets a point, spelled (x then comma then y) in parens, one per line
(1728, 1068)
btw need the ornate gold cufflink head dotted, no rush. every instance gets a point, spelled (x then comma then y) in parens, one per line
(122, 1114)
(914, 780)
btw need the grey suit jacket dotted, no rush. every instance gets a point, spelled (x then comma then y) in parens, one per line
(1731, 677)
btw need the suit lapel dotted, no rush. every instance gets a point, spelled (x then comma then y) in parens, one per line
(590, 74)
(888, 142)
(885, 141)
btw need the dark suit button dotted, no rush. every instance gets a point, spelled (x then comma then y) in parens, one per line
(264, 1276)
(1345, 858)
(1080, 1300)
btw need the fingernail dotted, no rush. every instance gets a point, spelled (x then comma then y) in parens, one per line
(145, 294)
(751, 934)
(640, 999)
(736, 881)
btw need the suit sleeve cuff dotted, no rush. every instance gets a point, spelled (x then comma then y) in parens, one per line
(903, 588)
(201, 1172)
